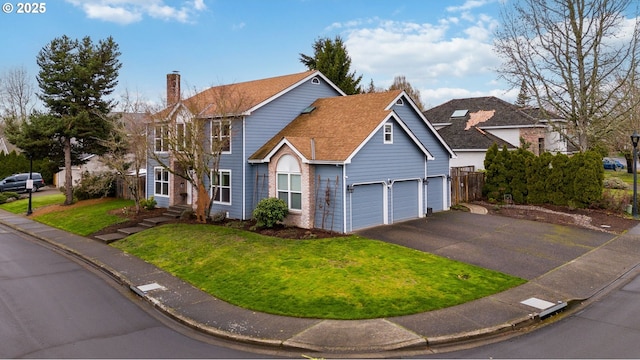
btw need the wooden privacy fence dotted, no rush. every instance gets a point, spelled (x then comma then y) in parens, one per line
(466, 184)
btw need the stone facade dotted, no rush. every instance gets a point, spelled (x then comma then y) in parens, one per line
(301, 218)
(533, 136)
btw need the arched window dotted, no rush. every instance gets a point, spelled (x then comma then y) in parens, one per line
(289, 182)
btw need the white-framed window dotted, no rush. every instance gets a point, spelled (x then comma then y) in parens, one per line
(221, 136)
(221, 182)
(160, 182)
(160, 135)
(388, 133)
(183, 134)
(289, 182)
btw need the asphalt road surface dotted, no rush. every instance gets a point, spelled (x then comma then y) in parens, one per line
(54, 307)
(608, 328)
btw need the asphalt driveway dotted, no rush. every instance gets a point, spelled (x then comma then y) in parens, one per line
(522, 248)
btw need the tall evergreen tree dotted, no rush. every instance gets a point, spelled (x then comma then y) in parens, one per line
(75, 78)
(523, 96)
(332, 59)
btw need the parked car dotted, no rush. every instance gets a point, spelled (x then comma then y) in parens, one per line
(18, 182)
(612, 164)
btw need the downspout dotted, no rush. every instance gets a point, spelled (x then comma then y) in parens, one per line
(344, 198)
(244, 168)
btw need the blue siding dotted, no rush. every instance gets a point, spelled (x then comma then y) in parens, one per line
(437, 169)
(329, 192)
(233, 162)
(383, 163)
(267, 121)
(161, 201)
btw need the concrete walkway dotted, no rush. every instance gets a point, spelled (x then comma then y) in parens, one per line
(504, 313)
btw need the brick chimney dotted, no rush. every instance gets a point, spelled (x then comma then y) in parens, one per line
(173, 88)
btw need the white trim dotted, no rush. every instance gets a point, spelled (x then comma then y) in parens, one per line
(168, 182)
(380, 125)
(388, 125)
(539, 126)
(244, 168)
(344, 198)
(424, 120)
(307, 78)
(277, 148)
(218, 123)
(211, 186)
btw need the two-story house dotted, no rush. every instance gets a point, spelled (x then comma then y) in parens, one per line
(340, 162)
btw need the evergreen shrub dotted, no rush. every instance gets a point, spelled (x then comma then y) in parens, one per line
(270, 211)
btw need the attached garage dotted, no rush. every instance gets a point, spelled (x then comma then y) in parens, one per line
(406, 197)
(370, 200)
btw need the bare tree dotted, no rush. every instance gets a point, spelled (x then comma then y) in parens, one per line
(17, 94)
(400, 83)
(571, 55)
(128, 145)
(191, 136)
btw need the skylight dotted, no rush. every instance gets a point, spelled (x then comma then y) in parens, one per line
(308, 110)
(459, 113)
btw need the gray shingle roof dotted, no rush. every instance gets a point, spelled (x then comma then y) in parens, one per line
(483, 113)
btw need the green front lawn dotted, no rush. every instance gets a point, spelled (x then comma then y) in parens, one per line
(346, 277)
(86, 217)
(20, 206)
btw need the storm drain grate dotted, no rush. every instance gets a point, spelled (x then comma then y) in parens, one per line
(143, 289)
(546, 307)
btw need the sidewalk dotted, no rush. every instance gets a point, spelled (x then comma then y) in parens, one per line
(501, 313)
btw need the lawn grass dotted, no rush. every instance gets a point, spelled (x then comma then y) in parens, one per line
(620, 174)
(20, 206)
(84, 219)
(346, 277)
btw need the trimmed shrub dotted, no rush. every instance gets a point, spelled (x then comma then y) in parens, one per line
(148, 204)
(93, 186)
(616, 183)
(270, 211)
(8, 196)
(556, 179)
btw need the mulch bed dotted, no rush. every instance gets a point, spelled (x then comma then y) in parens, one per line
(604, 220)
(607, 221)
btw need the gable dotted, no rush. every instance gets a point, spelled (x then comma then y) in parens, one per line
(246, 97)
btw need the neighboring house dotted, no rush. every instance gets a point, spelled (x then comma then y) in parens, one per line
(5, 146)
(470, 126)
(92, 164)
(340, 162)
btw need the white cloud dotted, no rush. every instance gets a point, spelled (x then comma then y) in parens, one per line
(450, 58)
(131, 11)
(468, 5)
(422, 52)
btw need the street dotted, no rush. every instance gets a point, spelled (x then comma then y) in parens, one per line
(607, 328)
(52, 307)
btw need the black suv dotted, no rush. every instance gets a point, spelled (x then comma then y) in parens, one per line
(18, 182)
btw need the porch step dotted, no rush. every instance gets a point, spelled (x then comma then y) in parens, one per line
(132, 230)
(151, 222)
(175, 211)
(109, 238)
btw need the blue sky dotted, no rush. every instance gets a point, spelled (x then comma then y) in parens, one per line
(442, 47)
